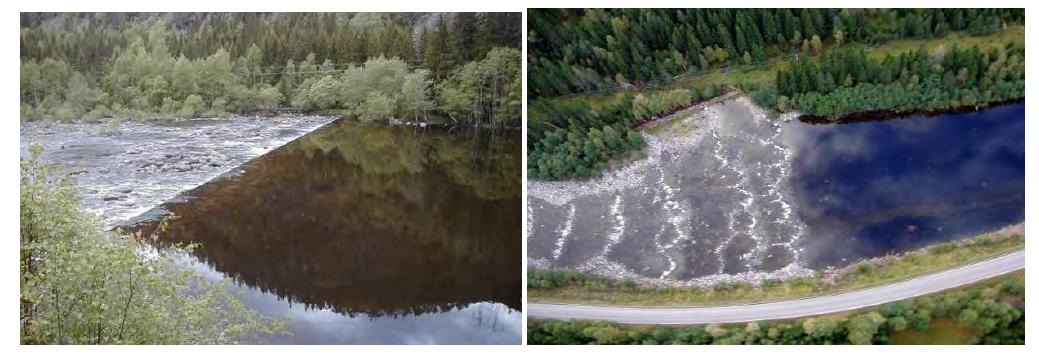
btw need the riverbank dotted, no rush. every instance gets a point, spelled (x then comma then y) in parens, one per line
(572, 287)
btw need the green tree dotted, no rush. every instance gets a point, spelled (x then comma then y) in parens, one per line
(862, 328)
(818, 327)
(321, 95)
(83, 286)
(193, 106)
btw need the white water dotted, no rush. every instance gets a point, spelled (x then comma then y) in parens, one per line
(127, 171)
(749, 159)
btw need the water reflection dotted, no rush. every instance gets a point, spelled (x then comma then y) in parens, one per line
(866, 189)
(396, 226)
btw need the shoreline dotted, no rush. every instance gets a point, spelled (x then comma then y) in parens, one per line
(157, 119)
(887, 115)
(825, 277)
(559, 193)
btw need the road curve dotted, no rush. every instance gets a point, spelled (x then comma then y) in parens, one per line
(787, 309)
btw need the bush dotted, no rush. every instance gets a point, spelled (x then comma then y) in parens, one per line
(628, 284)
(864, 268)
(29, 113)
(375, 107)
(193, 106)
(65, 113)
(1013, 287)
(943, 248)
(219, 107)
(765, 96)
(100, 111)
(83, 286)
(727, 287)
(322, 95)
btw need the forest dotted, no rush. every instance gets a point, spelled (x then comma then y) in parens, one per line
(847, 80)
(575, 51)
(410, 66)
(991, 313)
(576, 57)
(580, 145)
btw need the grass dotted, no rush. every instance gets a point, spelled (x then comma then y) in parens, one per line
(862, 275)
(942, 331)
(766, 73)
(1015, 33)
(677, 124)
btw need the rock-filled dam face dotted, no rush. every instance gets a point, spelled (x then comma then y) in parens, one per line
(709, 201)
(724, 193)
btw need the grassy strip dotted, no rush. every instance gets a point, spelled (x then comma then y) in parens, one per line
(545, 286)
(996, 306)
(766, 73)
(676, 124)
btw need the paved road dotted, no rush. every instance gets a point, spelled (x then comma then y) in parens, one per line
(787, 309)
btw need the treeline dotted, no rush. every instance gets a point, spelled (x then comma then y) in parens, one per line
(994, 313)
(573, 139)
(438, 42)
(187, 65)
(573, 51)
(847, 80)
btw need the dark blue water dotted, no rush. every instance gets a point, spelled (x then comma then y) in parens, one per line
(867, 189)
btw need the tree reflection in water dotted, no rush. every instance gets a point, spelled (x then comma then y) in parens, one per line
(385, 221)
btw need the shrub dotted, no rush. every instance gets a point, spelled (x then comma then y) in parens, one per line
(628, 284)
(219, 107)
(65, 113)
(943, 248)
(1013, 287)
(864, 268)
(80, 285)
(100, 111)
(193, 106)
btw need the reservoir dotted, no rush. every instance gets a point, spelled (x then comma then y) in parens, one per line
(349, 232)
(724, 193)
(874, 187)
(360, 233)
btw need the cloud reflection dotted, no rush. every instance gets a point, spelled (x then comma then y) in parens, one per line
(870, 188)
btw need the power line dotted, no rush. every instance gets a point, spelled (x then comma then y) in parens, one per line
(285, 71)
